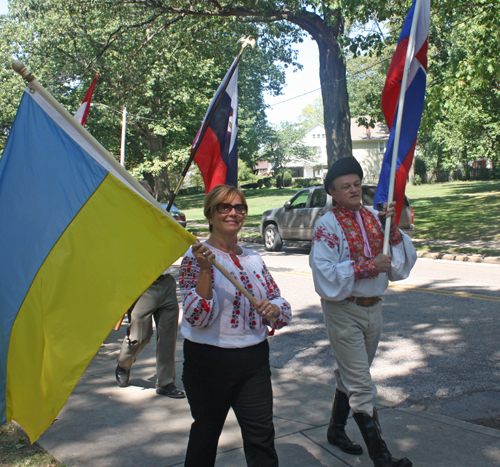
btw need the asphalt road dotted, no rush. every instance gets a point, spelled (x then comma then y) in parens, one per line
(439, 350)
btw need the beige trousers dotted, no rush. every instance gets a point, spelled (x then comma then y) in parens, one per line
(354, 332)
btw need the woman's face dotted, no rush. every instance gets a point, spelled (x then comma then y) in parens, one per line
(228, 223)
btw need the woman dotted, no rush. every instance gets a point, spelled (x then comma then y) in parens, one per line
(226, 353)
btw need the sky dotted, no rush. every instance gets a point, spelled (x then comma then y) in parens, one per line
(300, 83)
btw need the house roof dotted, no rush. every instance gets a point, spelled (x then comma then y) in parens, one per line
(359, 133)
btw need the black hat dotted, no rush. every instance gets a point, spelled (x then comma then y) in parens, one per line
(343, 166)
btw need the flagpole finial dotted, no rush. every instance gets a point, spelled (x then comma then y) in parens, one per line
(247, 41)
(19, 67)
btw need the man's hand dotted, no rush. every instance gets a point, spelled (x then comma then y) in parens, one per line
(382, 262)
(387, 212)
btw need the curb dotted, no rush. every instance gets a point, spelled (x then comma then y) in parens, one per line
(476, 258)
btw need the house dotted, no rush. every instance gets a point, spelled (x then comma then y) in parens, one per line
(368, 147)
(262, 168)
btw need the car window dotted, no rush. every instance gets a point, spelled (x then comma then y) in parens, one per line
(300, 199)
(318, 198)
(368, 195)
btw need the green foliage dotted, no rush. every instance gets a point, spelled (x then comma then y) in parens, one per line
(304, 182)
(417, 180)
(164, 67)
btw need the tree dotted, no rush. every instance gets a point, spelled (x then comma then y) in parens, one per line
(287, 147)
(325, 21)
(164, 70)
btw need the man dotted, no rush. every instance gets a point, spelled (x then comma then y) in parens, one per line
(159, 301)
(350, 275)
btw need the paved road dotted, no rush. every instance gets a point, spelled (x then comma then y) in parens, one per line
(439, 349)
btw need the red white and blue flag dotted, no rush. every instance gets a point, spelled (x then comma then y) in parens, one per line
(217, 153)
(83, 111)
(413, 104)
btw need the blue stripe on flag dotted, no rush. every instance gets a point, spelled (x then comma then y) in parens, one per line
(30, 223)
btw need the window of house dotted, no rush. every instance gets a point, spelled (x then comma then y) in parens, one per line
(381, 147)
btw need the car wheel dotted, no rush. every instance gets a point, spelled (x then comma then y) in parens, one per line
(272, 238)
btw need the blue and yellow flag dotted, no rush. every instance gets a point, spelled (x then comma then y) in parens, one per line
(79, 244)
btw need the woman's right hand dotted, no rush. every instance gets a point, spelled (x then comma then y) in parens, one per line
(204, 255)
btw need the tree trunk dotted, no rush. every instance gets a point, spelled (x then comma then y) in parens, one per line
(161, 187)
(332, 74)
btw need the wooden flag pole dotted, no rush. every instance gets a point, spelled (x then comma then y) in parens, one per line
(392, 178)
(246, 42)
(238, 285)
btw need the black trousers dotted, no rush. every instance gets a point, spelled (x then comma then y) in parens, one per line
(217, 379)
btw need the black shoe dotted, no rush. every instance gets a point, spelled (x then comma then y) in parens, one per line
(380, 455)
(122, 376)
(336, 434)
(170, 391)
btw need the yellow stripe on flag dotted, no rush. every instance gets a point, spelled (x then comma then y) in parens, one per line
(114, 248)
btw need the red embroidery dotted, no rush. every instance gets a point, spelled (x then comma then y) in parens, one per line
(364, 267)
(322, 235)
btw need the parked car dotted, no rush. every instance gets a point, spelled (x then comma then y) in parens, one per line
(179, 216)
(297, 218)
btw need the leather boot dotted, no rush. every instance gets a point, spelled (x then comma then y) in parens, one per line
(380, 455)
(336, 429)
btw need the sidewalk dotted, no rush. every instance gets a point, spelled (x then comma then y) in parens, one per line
(103, 425)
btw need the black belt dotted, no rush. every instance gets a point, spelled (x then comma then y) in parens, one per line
(364, 301)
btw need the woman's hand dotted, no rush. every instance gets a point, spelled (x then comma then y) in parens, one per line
(204, 255)
(266, 309)
(388, 212)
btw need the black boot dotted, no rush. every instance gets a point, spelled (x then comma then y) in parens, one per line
(380, 455)
(336, 429)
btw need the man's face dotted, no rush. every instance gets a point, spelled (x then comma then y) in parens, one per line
(346, 191)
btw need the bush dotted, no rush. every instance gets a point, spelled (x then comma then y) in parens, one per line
(417, 180)
(265, 182)
(284, 179)
(305, 182)
(250, 186)
(420, 170)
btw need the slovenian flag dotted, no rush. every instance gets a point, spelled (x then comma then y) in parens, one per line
(83, 111)
(413, 104)
(80, 242)
(217, 153)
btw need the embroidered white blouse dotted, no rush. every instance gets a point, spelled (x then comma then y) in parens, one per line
(229, 320)
(333, 268)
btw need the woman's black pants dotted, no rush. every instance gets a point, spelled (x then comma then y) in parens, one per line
(216, 379)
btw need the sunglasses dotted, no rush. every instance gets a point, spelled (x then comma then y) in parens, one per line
(225, 208)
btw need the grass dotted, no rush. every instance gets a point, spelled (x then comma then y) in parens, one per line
(16, 450)
(457, 211)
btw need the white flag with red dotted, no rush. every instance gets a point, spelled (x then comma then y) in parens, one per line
(83, 110)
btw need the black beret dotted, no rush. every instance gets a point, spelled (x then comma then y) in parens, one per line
(343, 166)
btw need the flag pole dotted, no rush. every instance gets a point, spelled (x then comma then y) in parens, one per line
(35, 86)
(124, 135)
(246, 42)
(402, 93)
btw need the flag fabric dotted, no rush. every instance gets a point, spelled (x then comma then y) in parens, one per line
(83, 111)
(217, 154)
(413, 105)
(80, 243)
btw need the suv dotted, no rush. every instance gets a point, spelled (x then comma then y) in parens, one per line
(297, 218)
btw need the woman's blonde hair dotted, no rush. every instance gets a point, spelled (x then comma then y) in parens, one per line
(221, 194)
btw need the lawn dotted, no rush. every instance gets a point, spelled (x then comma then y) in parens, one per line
(16, 450)
(457, 211)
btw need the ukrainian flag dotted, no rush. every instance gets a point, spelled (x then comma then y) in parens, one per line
(79, 243)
